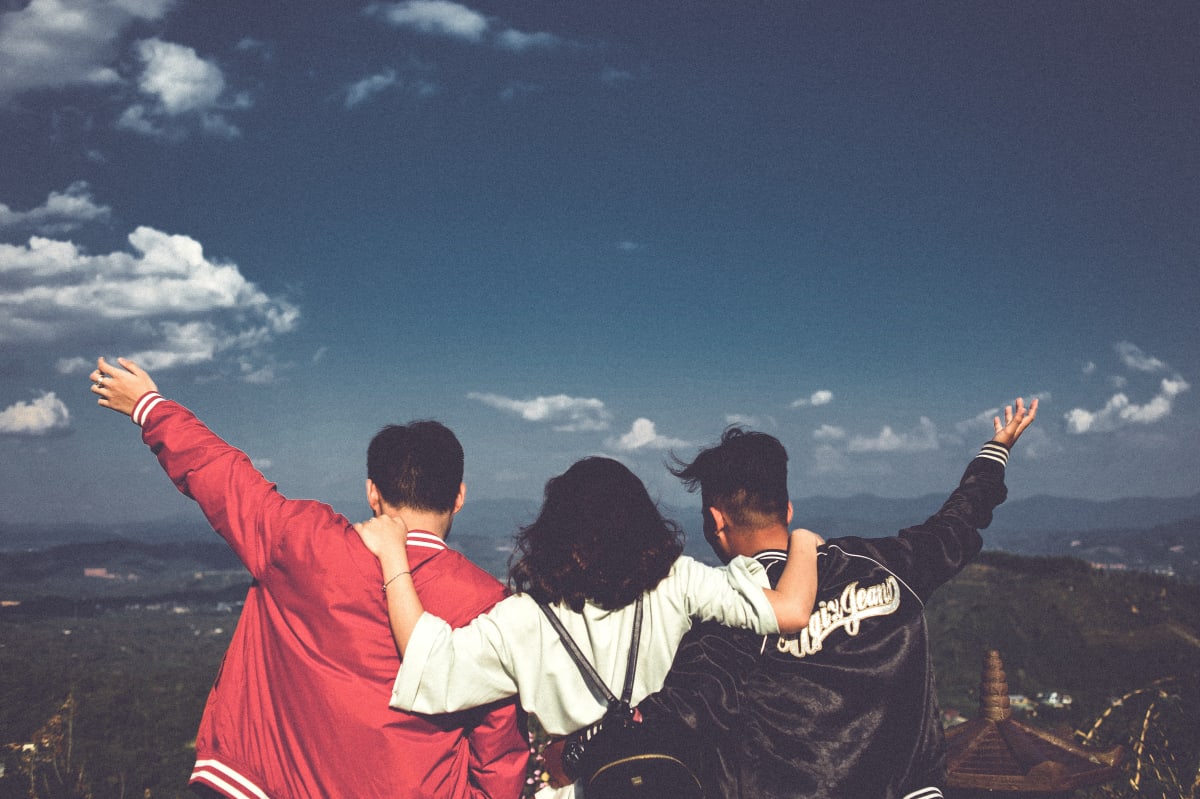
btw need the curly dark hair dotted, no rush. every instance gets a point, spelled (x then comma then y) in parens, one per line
(599, 538)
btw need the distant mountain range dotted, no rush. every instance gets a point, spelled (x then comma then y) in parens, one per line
(1144, 534)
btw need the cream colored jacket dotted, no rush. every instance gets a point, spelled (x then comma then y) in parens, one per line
(513, 649)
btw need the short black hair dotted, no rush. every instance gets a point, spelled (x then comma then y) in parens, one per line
(599, 538)
(418, 465)
(745, 477)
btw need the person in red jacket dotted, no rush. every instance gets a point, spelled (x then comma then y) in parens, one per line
(299, 708)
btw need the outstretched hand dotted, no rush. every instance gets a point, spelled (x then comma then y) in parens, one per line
(120, 387)
(1015, 421)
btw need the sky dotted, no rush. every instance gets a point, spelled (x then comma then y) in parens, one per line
(570, 229)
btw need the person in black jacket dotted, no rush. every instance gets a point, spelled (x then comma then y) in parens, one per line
(846, 708)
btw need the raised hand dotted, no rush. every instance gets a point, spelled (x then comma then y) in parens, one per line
(120, 387)
(1015, 421)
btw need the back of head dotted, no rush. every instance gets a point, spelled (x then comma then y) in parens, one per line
(599, 537)
(418, 465)
(745, 477)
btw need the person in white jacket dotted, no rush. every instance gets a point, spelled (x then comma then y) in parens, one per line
(598, 544)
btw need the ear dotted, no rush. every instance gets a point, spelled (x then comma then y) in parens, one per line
(789, 521)
(720, 521)
(462, 496)
(374, 498)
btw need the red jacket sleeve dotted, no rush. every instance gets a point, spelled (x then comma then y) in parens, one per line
(243, 507)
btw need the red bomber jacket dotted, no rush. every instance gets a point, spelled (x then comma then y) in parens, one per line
(299, 708)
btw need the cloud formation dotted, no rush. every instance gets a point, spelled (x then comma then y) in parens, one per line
(42, 416)
(822, 397)
(643, 435)
(1132, 356)
(179, 86)
(920, 439)
(1119, 410)
(829, 432)
(63, 211)
(368, 87)
(163, 303)
(567, 414)
(456, 21)
(51, 44)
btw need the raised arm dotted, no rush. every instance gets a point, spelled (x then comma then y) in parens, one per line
(385, 537)
(794, 595)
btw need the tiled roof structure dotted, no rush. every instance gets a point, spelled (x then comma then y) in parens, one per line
(995, 753)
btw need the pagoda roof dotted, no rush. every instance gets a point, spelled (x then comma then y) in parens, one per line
(996, 753)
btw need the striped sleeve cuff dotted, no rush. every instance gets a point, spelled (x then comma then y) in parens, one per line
(141, 410)
(995, 451)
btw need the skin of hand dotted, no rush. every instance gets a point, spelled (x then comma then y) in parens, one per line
(385, 537)
(796, 592)
(120, 387)
(1015, 421)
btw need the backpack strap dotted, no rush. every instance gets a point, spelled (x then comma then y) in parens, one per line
(590, 675)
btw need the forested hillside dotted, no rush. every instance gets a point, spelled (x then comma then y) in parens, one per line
(136, 670)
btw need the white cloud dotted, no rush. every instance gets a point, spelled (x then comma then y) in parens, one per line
(741, 419)
(613, 76)
(1133, 357)
(519, 41)
(368, 87)
(179, 79)
(567, 414)
(50, 44)
(456, 21)
(829, 432)
(921, 439)
(1119, 410)
(979, 421)
(46, 414)
(1089, 367)
(164, 304)
(179, 84)
(822, 397)
(62, 211)
(438, 17)
(643, 435)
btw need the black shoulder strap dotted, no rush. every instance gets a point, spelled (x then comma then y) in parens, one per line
(590, 675)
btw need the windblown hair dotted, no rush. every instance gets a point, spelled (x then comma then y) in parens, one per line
(418, 465)
(599, 538)
(745, 477)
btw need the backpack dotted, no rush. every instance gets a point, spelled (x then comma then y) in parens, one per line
(620, 757)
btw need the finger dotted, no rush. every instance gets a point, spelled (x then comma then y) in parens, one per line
(131, 366)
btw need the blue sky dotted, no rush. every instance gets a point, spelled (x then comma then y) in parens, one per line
(577, 228)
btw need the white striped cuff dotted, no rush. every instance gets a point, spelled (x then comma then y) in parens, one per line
(225, 780)
(994, 451)
(143, 407)
(925, 793)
